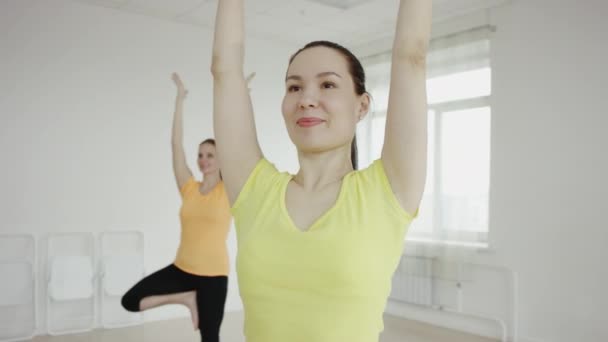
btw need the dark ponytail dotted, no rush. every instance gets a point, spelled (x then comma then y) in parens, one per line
(353, 153)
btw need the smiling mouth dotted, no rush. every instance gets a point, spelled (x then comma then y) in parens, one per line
(309, 122)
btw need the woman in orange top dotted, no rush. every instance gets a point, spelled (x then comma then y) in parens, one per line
(198, 278)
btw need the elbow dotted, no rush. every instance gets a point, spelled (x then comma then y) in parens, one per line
(412, 52)
(176, 139)
(216, 66)
(219, 70)
(226, 63)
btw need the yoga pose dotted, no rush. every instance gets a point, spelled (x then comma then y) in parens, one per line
(317, 250)
(198, 278)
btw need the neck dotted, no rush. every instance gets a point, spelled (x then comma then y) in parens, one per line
(318, 170)
(211, 179)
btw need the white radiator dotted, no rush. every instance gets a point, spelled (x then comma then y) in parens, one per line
(413, 281)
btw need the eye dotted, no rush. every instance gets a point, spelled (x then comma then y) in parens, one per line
(328, 85)
(293, 88)
(200, 155)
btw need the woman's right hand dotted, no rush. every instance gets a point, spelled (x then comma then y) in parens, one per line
(238, 150)
(249, 78)
(182, 92)
(180, 167)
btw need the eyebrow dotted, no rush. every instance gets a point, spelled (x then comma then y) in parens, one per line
(323, 74)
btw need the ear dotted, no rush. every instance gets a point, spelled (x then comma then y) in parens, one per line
(364, 105)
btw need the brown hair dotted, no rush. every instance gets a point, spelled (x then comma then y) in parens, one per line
(356, 72)
(211, 141)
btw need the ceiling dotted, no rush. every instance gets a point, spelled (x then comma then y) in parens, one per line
(346, 21)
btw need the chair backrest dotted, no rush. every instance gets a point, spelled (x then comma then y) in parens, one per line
(18, 319)
(120, 272)
(18, 286)
(71, 277)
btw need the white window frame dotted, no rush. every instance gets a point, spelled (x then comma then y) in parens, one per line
(438, 233)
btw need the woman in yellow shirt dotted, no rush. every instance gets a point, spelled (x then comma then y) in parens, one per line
(198, 278)
(316, 250)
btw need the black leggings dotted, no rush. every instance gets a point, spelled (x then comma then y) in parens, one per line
(210, 296)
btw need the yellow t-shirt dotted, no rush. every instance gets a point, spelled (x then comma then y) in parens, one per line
(205, 221)
(330, 283)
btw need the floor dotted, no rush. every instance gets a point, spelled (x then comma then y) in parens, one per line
(396, 330)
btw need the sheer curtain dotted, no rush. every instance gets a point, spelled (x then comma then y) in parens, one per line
(454, 209)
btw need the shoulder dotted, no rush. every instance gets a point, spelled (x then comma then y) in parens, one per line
(374, 175)
(374, 188)
(190, 185)
(263, 179)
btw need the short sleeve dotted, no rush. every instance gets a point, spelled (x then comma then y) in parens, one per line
(262, 177)
(188, 187)
(377, 175)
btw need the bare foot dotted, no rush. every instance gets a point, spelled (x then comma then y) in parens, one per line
(188, 299)
(190, 302)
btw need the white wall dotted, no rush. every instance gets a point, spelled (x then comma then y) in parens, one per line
(548, 168)
(86, 102)
(549, 164)
(86, 105)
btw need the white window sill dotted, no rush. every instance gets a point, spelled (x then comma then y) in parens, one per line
(439, 249)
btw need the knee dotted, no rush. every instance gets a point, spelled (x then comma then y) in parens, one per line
(130, 302)
(206, 337)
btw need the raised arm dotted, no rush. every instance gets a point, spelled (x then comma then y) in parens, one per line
(180, 167)
(238, 149)
(405, 143)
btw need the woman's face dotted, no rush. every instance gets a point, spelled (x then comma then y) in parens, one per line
(320, 106)
(207, 162)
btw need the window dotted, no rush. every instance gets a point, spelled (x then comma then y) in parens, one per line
(454, 207)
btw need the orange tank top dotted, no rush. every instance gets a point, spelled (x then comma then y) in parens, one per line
(205, 222)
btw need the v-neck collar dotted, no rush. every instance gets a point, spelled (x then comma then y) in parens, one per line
(321, 218)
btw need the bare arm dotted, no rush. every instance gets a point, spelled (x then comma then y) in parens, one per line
(405, 143)
(180, 167)
(238, 149)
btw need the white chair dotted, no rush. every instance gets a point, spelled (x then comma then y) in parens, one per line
(122, 265)
(18, 287)
(71, 288)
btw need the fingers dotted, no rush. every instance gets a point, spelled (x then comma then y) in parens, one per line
(175, 78)
(178, 81)
(250, 77)
(181, 90)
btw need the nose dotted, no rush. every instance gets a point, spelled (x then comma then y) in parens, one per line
(308, 99)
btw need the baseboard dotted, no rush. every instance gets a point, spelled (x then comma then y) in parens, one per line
(447, 320)
(529, 339)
